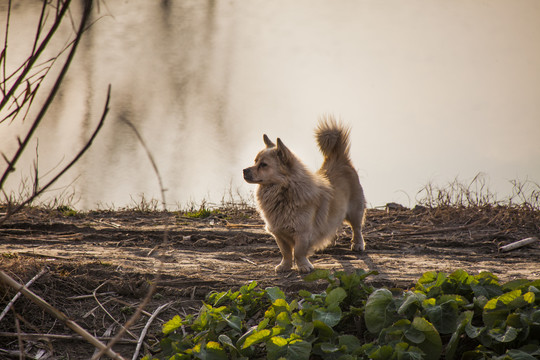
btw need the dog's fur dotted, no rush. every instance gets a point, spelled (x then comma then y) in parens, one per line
(303, 210)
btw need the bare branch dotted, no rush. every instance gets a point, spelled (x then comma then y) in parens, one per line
(68, 166)
(52, 94)
(37, 52)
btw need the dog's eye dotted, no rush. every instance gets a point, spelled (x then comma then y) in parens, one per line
(262, 165)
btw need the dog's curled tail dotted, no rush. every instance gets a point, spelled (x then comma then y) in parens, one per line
(332, 137)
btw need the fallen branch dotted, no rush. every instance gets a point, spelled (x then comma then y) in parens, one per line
(28, 284)
(518, 244)
(145, 330)
(28, 336)
(59, 315)
(423, 232)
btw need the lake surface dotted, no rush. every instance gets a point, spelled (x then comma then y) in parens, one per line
(433, 91)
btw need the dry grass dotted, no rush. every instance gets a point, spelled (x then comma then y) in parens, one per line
(476, 193)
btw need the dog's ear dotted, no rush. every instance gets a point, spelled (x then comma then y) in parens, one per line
(284, 154)
(268, 142)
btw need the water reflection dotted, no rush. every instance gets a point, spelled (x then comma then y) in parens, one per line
(202, 80)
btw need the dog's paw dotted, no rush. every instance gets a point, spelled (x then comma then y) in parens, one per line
(358, 247)
(281, 268)
(305, 268)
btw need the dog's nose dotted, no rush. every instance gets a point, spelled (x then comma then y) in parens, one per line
(246, 173)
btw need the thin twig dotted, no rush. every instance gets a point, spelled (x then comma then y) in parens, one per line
(145, 330)
(108, 313)
(59, 315)
(22, 353)
(150, 157)
(28, 284)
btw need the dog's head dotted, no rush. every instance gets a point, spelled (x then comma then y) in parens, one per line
(271, 164)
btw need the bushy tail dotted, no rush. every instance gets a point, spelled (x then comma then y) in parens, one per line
(333, 138)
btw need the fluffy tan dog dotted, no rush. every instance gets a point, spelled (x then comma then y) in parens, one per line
(303, 210)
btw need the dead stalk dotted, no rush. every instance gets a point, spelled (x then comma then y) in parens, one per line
(58, 314)
(153, 285)
(26, 286)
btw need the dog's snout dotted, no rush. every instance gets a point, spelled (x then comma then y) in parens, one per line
(247, 174)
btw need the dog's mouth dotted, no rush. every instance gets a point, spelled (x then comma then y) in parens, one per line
(248, 176)
(251, 180)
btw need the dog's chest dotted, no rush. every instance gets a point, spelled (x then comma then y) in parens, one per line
(281, 211)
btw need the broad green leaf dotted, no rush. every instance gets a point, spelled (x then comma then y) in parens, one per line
(329, 348)
(414, 335)
(452, 346)
(495, 311)
(324, 330)
(279, 347)
(243, 338)
(225, 340)
(485, 278)
(428, 277)
(518, 321)
(432, 346)
(377, 316)
(283, 319)
(336, 296)
(280, 305)
(460, 300)
(257, 337)
(504, 335)
(516, 285)
(172, 325)
(384, 352)
(412, 301)
(444, 316)
(529, 297)
(473, 331)
(535, 317)
(318, 274)
(350, 342)
(330, 316)
(509, 297)
(461, 276)
(263, 324)
(305, 329)
(535, 290)
(488, 290)
(275, 293)
(234, 322)
(214, 351)
(248, 287)
(515, 354)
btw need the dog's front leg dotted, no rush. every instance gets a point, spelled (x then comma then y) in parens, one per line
(301, 249)
(285, 246)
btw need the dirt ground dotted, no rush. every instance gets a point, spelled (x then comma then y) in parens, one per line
(100, 264)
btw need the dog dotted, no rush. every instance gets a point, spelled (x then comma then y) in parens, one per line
(303, 210)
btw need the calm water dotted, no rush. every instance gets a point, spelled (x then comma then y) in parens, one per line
(433, 91)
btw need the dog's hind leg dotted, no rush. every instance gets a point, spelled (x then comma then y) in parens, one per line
(285, 246)
(356, 221)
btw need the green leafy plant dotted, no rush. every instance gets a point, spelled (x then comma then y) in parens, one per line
(201, 213)
(455, 316)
